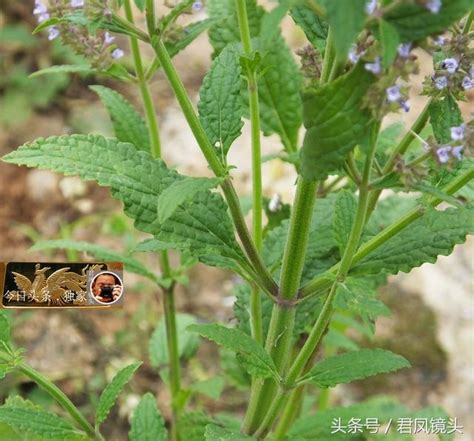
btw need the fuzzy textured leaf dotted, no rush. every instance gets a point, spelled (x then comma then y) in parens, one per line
(315, 29)
(251, 354)
(147, 422)
(355, 365)
(434, 234)
(112, 391)
(202, 227)
(39, 422)
(414, 22)
(97, 251)
(344, 215)
(335, 121)
(182, 191)
(390, 40)
(347, 20)
(220, 105)
(129, 126)
(444, 114)
(281, 78)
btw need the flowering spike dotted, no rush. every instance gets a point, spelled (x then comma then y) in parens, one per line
(457, 152)
(450, 64)
(53, 33)
(457, 133)
(440, 82)
(393, 93)
(443, 154)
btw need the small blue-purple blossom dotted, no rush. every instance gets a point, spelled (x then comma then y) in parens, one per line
(441, 82)
(43, 17)
(197, 6)
(443, 154)
(374, 67)
(457, 133)
(404, 50)
(450, 64)
(117, 53)
(370, 6)
(433, 6)
(393, 93)
(467, 83)
(77, 3)
(440, 40)
(353, 56)
(405, 105)
(456, 152)
(40, 8)
(53, 33)
(108, 38)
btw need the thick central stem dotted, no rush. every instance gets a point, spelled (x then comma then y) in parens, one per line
(255, 296)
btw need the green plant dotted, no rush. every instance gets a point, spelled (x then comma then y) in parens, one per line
(314, 267)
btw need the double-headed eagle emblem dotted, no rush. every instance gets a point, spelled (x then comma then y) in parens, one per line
(60, 288)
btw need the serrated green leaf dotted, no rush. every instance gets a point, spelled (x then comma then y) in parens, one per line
(152, 245)
(66, 68)
(313, 26)
(270, 26)
(347, 21)
(355, 365)
(187, 341)
(211, 388)
(112, 391)
(182, 191)
(335, 340)
(252, 355)
(191, 32)
(225, 28)
(390, 40)
(97, 251)
(147, 422)
(344, 215)
(192, 426)
(444, 114)
(414, 22)
(281, 77)
(4, 329)
(216, 433)
(220, 105)
(202, 227)
(335, 121)
(129, 126)
(39, 422)
(434, 234)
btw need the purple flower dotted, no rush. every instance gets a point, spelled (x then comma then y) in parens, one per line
(433, 6)
(117, 53)
(43, 17)
(404, 50)
(353, 56)
(457, 133)
(443, 154)
(467, 83)
(40, 8)
(108, 39)
(374, 67)
(393, 93)
(457, 152)
(440, 40)
(450, 64)
(405, 105)
(53, 32)
(197, 6)
(370, 6)
(77, 3)
(441, 82)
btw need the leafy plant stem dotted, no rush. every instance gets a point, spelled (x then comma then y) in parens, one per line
(150, 113)
(150, 16)
(59, 396)
(255, 301)
(325, 315)
(290, 412)
(320, 284)
(283, 314)
(402, 147)
(265, 279)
